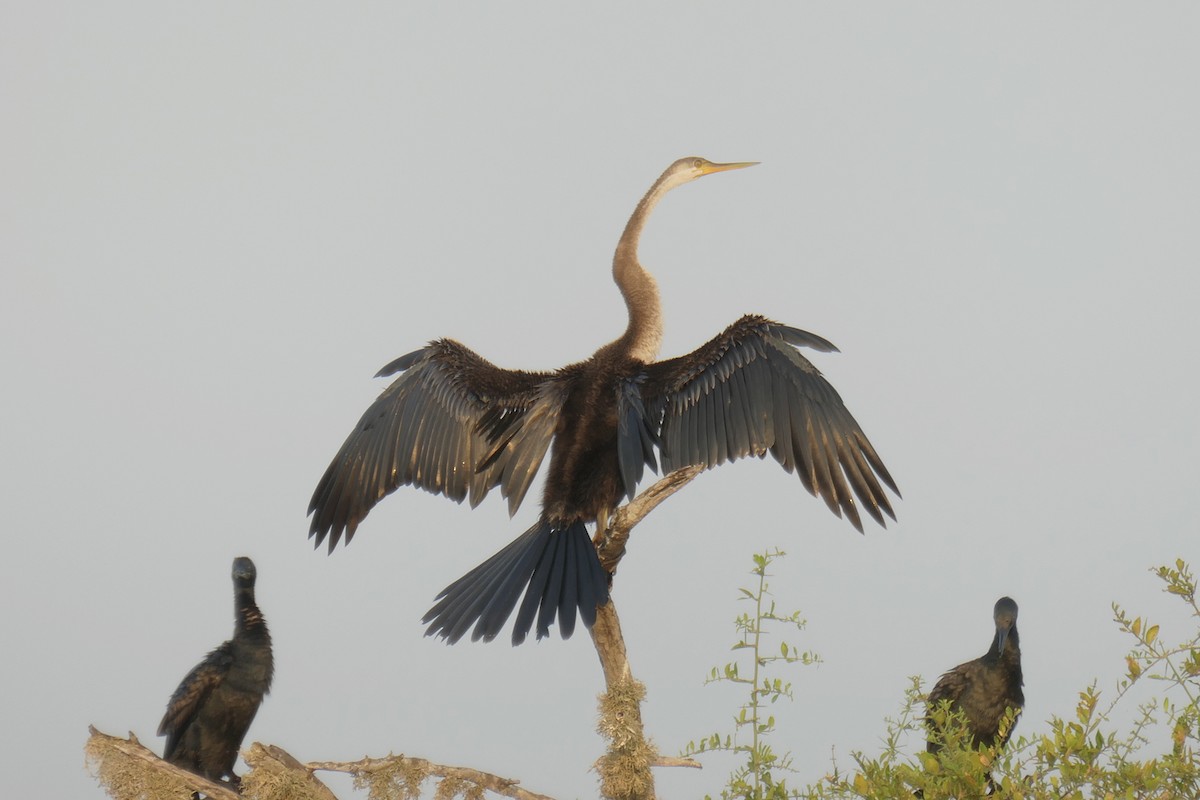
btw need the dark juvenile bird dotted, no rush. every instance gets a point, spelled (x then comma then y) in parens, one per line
(455, 424)
(984, 689)
(209, 714)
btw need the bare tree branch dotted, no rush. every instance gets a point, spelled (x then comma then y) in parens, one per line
(506, 787)
(611, 542)
(274, 772)
(272, 760)
(610, 645)
(100, 747)
(606, 633)
(625, 768)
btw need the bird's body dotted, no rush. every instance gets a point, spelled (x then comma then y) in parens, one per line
(454, 424)
(209, 714)
(985, 689)
(584, 479)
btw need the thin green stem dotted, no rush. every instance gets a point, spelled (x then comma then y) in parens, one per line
(762, 577)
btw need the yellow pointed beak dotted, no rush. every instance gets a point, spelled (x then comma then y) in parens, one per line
(710, 167)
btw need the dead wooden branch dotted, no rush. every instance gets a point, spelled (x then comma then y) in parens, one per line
(611, 542)
(276, 773)
(625, 768)
(272, 766)
(506, 787)
(101, 746)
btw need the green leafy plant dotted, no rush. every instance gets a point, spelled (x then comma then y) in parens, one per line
(756, 778)
(1075, 758)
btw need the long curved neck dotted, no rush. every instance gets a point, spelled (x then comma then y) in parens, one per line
(643, 337)
(248, 620)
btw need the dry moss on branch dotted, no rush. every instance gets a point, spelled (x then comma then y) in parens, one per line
(625, 769)
(399, 779)
(275, 775)
(127, 770)
(125, 777)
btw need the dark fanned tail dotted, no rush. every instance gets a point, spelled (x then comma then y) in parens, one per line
(558, 565)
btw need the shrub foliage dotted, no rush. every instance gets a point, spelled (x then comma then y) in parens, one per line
(1081, 757)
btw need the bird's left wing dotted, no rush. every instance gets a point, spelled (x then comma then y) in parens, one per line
(748, 392)
(193, 690)
(452, 424)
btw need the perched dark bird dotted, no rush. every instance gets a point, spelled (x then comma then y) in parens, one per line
(984, 689)
(209, 714)
(454, 424)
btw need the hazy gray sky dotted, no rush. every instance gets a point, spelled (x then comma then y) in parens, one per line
(218, 221)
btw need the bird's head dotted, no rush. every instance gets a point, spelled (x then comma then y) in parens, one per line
(692, 167)
(1005, 616)
(243, 572)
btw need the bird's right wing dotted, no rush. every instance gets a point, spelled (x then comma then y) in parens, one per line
(451, 424)
(193, 690)
(748, 392)
(949, 687)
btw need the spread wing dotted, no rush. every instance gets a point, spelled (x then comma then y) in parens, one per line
(750, 392)
(192, 693)
(451, 424)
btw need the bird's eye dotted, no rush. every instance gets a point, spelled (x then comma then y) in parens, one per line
(697, 163)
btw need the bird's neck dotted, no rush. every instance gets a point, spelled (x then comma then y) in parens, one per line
(248, 620)
(643, 336)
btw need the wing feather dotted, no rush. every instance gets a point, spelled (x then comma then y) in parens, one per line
(192, 692)
(721, 413)
(749, 392)
(780, 434)
(708, 424)
(452, 424)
